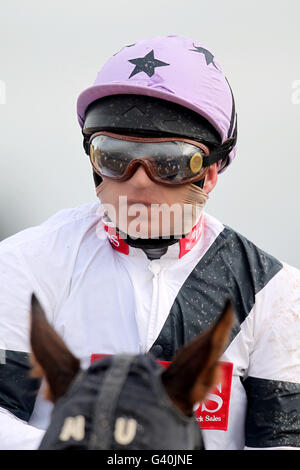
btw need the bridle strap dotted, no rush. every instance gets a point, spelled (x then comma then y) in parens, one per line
(106, 402)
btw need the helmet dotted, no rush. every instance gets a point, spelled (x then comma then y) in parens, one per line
(177, 70)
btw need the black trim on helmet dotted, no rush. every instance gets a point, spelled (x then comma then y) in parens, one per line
(144, 114)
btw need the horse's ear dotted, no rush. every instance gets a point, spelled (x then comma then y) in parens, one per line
(195, 368)
(51, 358)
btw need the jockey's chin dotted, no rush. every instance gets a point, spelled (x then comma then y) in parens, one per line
(143, 208)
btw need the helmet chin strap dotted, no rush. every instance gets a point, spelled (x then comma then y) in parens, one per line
(151, 243)
(97, 179)
(154, 248)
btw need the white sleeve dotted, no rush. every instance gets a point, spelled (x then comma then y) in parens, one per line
(273, 381)
(16, 434)
(264, 412)
(41, 260)
(17, 388)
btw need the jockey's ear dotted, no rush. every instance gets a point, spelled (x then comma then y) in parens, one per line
(195, 368)
(50, 356)
(211, 178)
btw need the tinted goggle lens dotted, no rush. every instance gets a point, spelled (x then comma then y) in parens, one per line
(168, 160)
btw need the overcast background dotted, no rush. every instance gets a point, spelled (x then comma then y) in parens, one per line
(51, 51)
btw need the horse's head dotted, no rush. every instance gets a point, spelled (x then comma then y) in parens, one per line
(126, 401)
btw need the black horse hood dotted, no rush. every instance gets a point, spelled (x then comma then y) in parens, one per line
(120, 403)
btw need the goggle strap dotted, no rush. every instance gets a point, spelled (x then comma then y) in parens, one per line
(220, 152)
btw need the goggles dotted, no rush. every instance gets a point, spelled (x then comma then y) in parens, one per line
(168, 160)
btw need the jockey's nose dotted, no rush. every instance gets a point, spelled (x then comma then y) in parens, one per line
(140, 179)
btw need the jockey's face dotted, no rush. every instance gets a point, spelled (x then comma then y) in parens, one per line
(177, 216)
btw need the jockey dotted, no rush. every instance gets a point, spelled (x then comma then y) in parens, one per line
(146, 268)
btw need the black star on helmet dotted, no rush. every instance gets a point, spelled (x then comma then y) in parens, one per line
(208, 55)
(146, 64)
